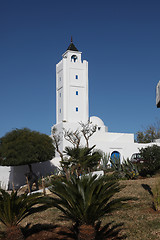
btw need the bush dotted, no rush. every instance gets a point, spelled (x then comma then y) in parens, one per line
(124, 170)
(86, 200)
(151, 164)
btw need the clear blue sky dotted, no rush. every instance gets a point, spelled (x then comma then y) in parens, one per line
(119, 38)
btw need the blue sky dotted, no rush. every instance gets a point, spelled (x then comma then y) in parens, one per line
(119, 38)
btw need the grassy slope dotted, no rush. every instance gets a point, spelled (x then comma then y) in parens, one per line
(140, 220)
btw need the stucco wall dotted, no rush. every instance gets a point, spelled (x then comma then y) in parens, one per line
(16, 175)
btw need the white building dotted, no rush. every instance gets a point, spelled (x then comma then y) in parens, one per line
(72, 107)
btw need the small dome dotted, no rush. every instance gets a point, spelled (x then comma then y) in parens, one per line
(97, 121)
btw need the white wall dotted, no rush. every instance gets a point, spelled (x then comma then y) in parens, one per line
(158, 94)
(108, 142)
(4, 177)
(16, 175)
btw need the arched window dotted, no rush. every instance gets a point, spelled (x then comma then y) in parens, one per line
(74, 58)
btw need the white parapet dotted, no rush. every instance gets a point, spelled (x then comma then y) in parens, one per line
(158, 95)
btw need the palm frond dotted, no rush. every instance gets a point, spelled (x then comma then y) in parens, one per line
(14, 208)
(86, 199)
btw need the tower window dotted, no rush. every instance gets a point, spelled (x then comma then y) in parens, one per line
(60, 79)
(76, 76)
(74, 58)
(60, 110)
(76, 109)
(76, 92)
(60, 94)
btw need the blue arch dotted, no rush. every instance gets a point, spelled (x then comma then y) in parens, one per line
(115, 156)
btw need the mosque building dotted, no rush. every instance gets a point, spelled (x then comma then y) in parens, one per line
(72, 107)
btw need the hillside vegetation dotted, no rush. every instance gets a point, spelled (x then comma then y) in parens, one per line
(139, 219)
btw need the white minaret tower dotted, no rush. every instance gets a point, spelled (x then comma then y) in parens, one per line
(72, 87)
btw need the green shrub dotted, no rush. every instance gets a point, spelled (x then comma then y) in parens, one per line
(14, 208)
(124, 170)
(151, 157)
(129, 169)
(86, 200)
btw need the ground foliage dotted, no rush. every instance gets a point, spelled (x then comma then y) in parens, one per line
(124, 170)
(140, 221)
(14, 208)
(85, 200)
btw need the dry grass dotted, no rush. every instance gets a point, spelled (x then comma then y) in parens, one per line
(140, 220)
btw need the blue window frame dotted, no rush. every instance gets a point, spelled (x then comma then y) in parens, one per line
(76, 109)
(76, 92)
(76, 76)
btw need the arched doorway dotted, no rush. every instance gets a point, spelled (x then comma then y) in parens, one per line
(115, 156)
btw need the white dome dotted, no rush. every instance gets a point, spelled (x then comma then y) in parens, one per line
(96, 121)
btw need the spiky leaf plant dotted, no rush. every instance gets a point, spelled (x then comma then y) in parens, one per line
(14, 208)
(85, 200)
(81, 159)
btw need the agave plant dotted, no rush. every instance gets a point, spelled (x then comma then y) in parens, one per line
(14, 208)
(85, 200)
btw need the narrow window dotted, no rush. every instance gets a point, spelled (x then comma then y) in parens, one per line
(60, 110)
(76, 76)
(76, 109)
(60, 79)
(60, 94)
(99, 128)
(76, 92)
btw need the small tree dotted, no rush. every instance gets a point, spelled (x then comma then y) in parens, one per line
(74, 137)
(149, 134)
(57, 138)
(88, 130)
(23, 146)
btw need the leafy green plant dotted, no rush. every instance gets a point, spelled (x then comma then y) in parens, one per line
(124, 170)
(81, 160)
(105, 159)
(130, 170)
(85, 200)
(14, 208)
(151, 157)
(23, 146)
(117, 168)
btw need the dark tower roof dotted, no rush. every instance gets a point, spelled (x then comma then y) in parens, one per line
(72, 46)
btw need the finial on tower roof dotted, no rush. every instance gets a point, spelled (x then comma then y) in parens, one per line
(72, 46)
